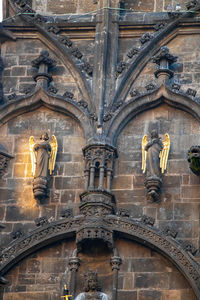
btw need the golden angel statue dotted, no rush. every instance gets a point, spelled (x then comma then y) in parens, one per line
(154, 162)
(43, 157)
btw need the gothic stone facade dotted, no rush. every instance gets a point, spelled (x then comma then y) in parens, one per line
(88, 79)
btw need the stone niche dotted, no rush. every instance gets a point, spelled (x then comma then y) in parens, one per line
(180, 191)
(67, 181)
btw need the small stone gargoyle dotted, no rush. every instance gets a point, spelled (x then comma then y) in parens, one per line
(194, 159)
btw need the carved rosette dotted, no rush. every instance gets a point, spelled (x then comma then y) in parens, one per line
(99, 162)
(4, 159)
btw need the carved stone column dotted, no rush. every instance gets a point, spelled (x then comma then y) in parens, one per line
(97, 201)
(115, 262)
(99, 163)
(74, 263)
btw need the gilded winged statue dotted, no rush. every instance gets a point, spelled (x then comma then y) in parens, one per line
(154, 161)
(43, 157)
(156, 147)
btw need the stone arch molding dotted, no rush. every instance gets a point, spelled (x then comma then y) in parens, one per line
(164, 94)
(120, 226)
(40, 98)
(53, 42)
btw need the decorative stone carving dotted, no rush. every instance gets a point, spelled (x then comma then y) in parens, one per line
(92, 288)
(174, 14)
(97, 203)
(159, 26)
(43, 157)
(52, 89)
(74, 263)
(135, 93)
(154, 163)
(53, 29)
(67, 213)
(4, 159)
(118, 105)
(44, 64)
(68, 94)
(107, 117)
(87, 68)
(93, 117)
(83, 103)
(28, 90)
(191, 4)
(189, 248)
(99, 163)
(39, 19)
(41, 236)
(176, 86)
(41, 221)
(76, 53)
(146, 37)
(121, 67)
(93, 231)
(164, 59)
(194, 159)
(170, 232)
(150, 87)
(191, 92)
(17, 234)
(134, 51)
(115, 262)
(122, 212)
(65, 41)
(147, 220)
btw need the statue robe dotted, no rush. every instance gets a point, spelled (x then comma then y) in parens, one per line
(153, 149)
(42, 158)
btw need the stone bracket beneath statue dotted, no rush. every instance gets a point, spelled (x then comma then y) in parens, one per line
(153, 186)
(97, 203)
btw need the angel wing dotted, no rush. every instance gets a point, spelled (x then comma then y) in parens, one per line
(33, 154)
(144, 153)
(52, 159)
(164, 153)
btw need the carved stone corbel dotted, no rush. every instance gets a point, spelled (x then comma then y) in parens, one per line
(4, 159)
